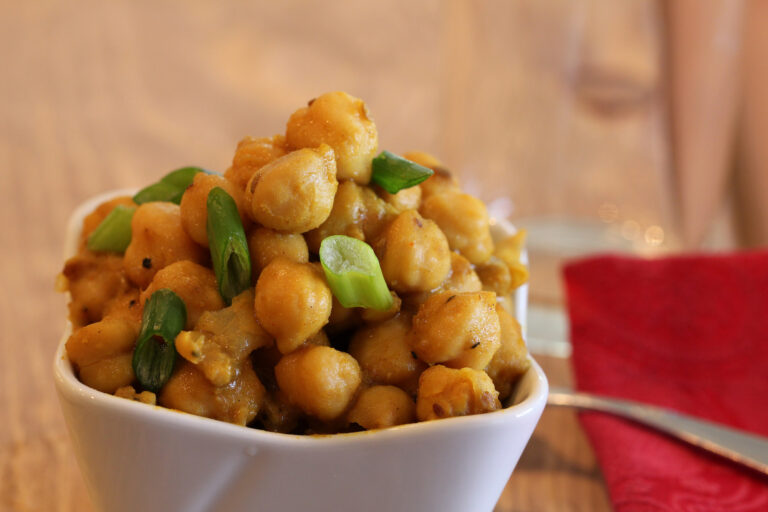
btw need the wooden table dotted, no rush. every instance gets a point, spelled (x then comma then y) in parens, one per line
(101, 95)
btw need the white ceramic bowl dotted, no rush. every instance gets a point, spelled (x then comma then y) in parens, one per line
(136, 457)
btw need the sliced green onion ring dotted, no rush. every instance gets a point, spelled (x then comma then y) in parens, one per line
(229, 247)
(113, 234)
(170, 187)
(153, 358)
(395, 173)
(354, 274)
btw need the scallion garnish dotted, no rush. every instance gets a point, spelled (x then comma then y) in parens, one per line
(170, 187)
(164, 317)
(114, 232)
(394, 173)
(229, 247)
(353, 273)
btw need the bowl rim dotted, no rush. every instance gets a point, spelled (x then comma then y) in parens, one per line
(71, 389)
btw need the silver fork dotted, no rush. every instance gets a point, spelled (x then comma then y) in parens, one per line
(736, 445)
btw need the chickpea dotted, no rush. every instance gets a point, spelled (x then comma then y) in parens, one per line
(251, 155)
(158, 239)
(292, 302)
(447, 392)
(102, 353)
(346, 217)
(508, 250)
(106, 338)
(342, 319)
(495, 276)
(457, 329)
(109, 374)
(414, 254)
(193, 283)
(194, 204)
(93, 281)
(189, 391)
(343, 122)
(406, 199)
(511, 360)
(295, 192)
(384, 355)
(320, 380)
(462, 278)
(464, 220)
(93, 219)
(441, 182)
(265, 245)
(382, 407)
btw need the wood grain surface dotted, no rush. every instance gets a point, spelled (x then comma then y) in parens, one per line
(102, 95)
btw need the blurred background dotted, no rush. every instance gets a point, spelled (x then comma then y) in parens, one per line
(630, 126)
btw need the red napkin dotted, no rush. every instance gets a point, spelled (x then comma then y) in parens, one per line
(689, 333)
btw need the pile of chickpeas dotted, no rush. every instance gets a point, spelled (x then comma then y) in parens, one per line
(286, 356)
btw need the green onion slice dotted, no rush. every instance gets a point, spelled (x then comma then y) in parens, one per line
(394, 173)
(353, 273)
(170, 187)
(114, 232)
(164, 317)
(229, 247)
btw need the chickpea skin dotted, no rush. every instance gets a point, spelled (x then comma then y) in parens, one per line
(343, 122)
(193, 283)
(252, 154)
(382, 407)
(292, 302)
(265, 245)
(441, 182)
(457, 329)
(464, 220)
(321, 381)
(194, 204)
(414, 254)
(295, 192)
(158, 239)
(447, 392)
(384, 354)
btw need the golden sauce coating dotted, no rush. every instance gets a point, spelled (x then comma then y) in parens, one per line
(194, 204)
(406, 199)
(252, 154)
(157, 240)
(508, 250)
(458, 329)
(384, 354)
(382, 407)
(193, 283)
(414, 254)
(295, 192)
(446, 392)
(292, 303)
(464, 220)
(266, 244)
(189, 391)
(511, 360)
(343, 122)
(322, 381)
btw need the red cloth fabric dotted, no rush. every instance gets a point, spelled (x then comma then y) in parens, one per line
(689, 333)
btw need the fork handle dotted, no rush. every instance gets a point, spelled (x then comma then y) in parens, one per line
(737, 445)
